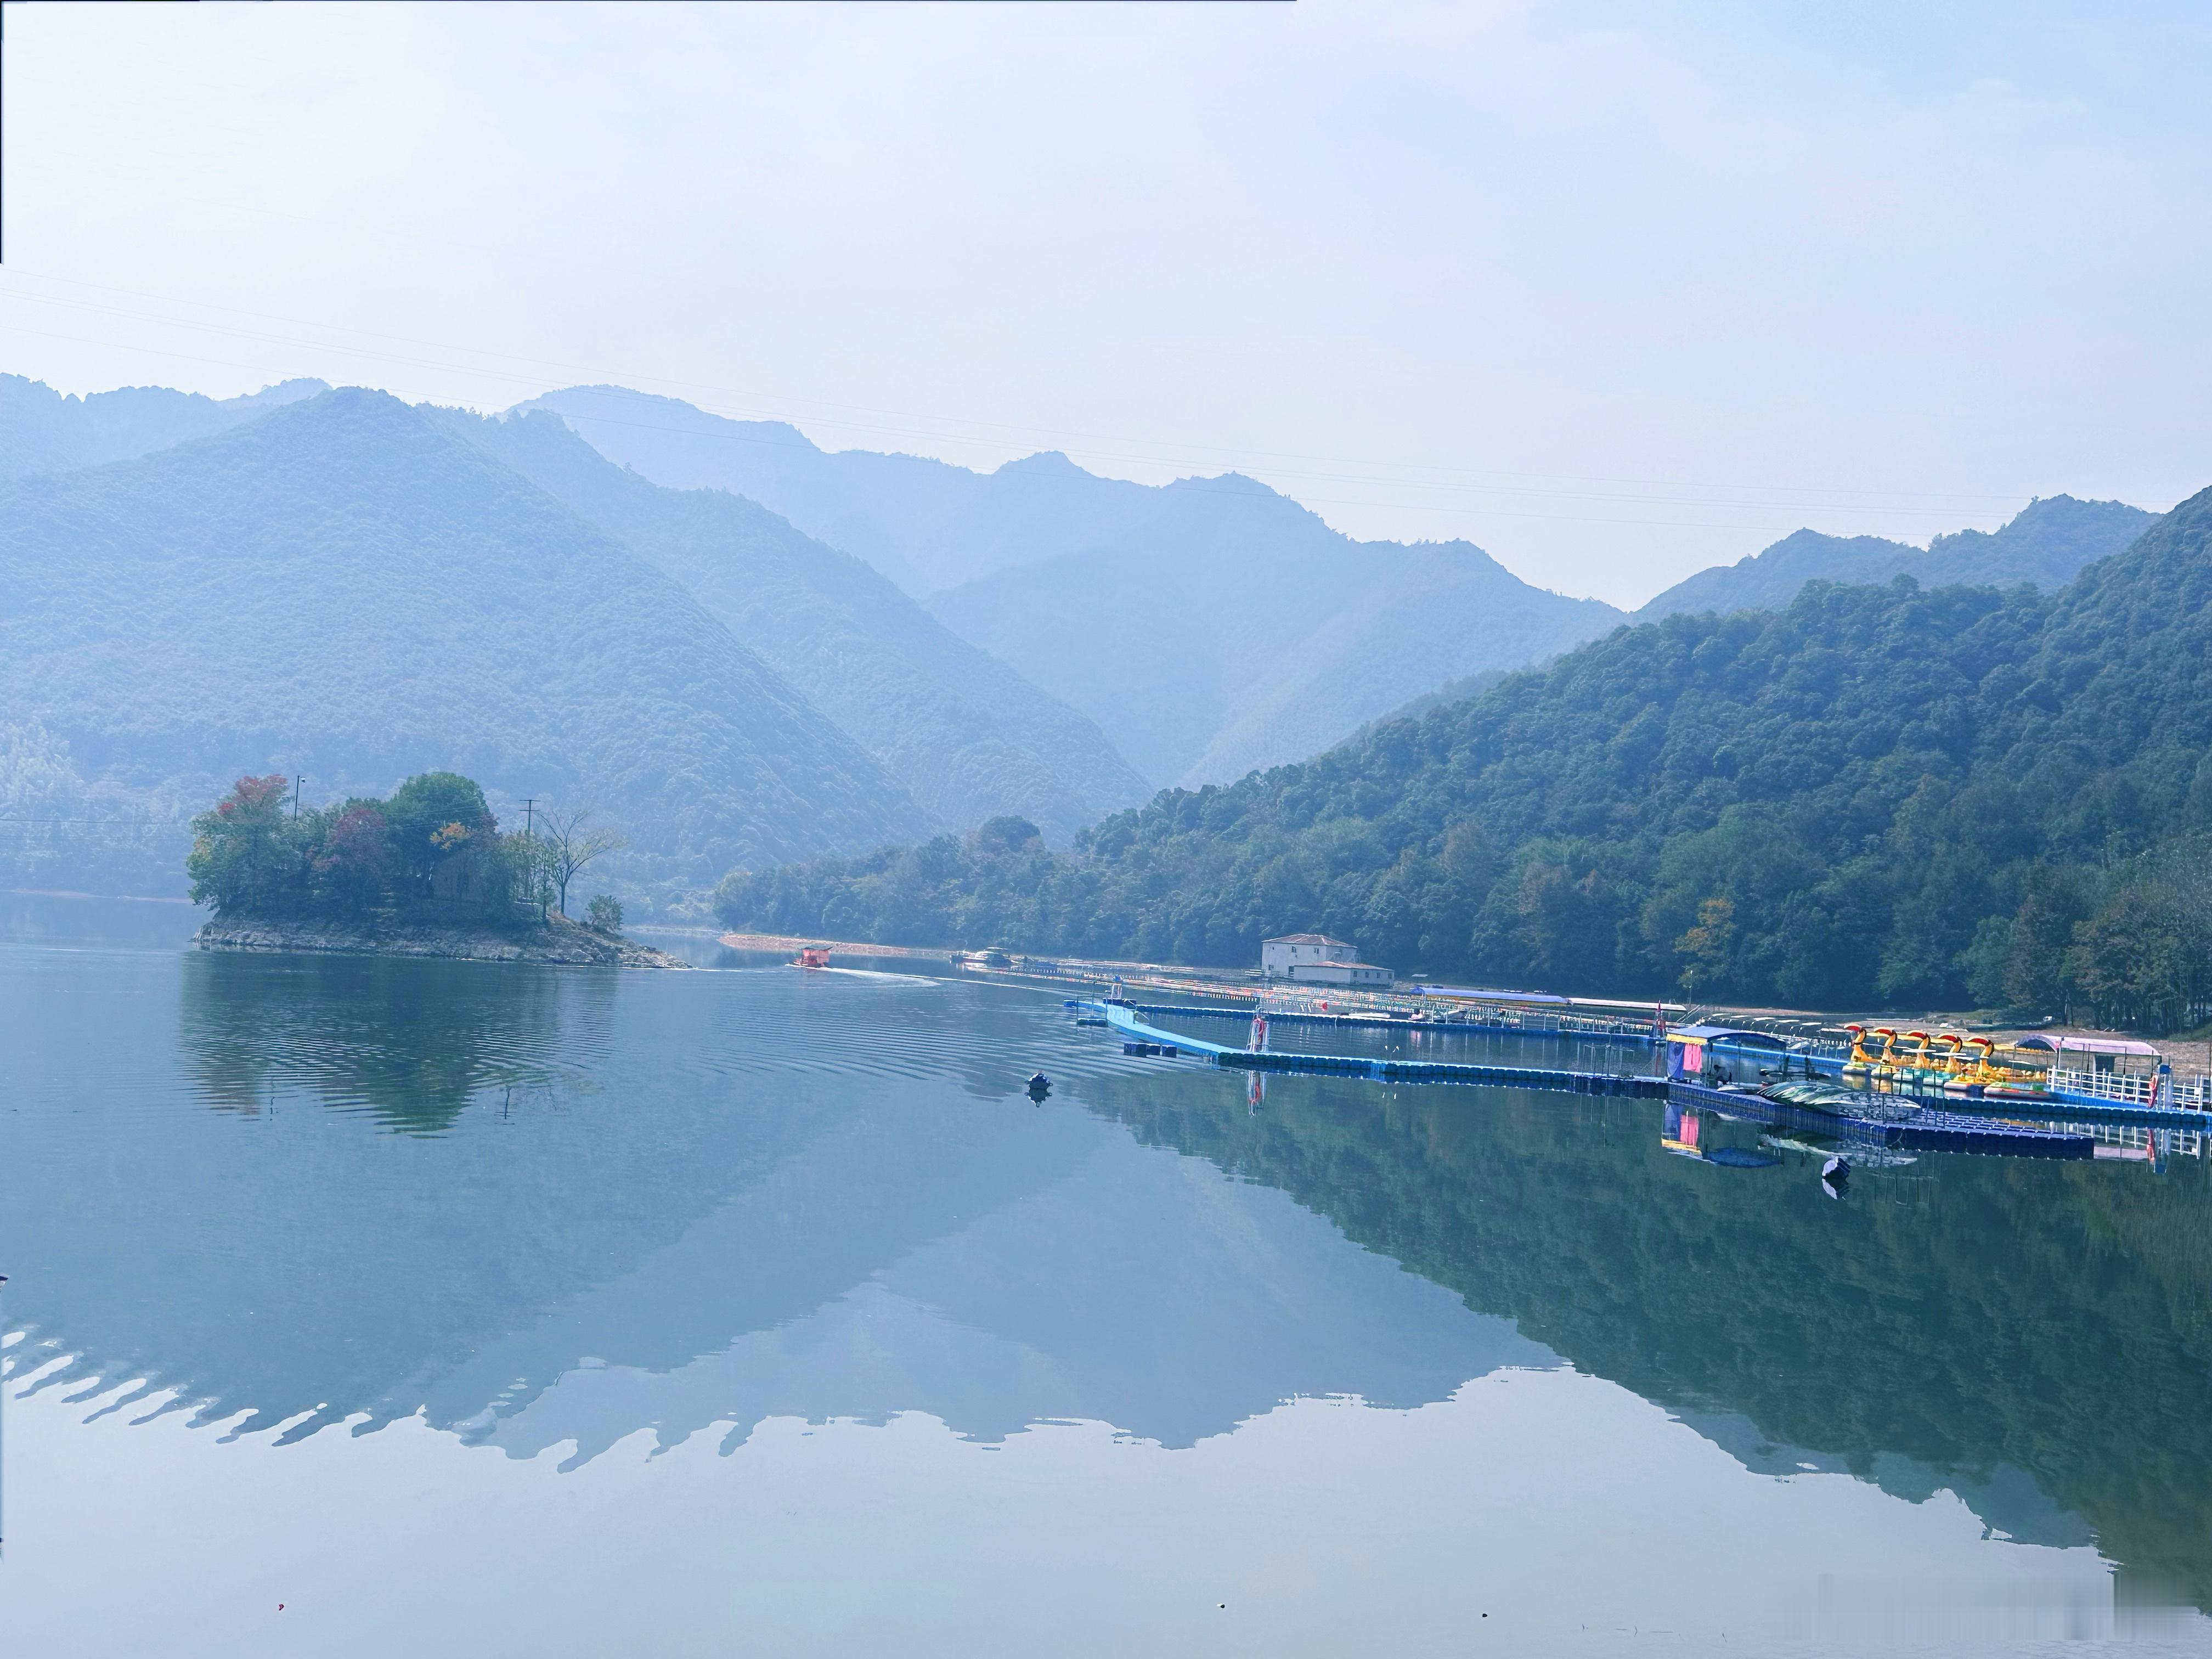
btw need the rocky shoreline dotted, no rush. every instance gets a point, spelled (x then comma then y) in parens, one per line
(562, 943)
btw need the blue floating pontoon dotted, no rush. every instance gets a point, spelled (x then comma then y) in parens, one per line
(1846, 1114)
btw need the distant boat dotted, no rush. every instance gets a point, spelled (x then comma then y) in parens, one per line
(813, 955)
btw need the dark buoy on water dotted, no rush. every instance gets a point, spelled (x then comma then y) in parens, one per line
(1040, 1086)
(1835, 1177)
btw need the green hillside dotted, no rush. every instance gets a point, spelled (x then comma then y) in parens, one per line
(2046, 545)
(966, 735)
(344, 590)
(1879, 795)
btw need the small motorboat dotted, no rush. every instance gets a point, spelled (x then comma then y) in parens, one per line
(813, 955)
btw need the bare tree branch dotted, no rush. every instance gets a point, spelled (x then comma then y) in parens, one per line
(569, 842)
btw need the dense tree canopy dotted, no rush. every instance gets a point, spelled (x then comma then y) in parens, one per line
(434, 843)
(1881, 795)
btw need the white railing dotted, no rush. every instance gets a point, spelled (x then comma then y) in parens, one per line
(2142, 1140)
(2134, 1088)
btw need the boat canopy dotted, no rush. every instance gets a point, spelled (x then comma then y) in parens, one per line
(2085, 1045)
(1734, 1034)
(2108, 1046)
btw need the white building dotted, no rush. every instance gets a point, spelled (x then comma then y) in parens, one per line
(1317, 959)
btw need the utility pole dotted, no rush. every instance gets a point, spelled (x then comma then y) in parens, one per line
(296, 782)
(529, 821)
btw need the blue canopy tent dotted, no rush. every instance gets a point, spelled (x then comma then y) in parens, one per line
(1695, 1051)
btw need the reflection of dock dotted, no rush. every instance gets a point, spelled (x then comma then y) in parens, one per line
(1916, 1128)
(1912, 1127)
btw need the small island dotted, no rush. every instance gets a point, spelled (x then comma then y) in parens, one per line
(425, 873)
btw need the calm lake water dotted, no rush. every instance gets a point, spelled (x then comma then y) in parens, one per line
(456, 1308)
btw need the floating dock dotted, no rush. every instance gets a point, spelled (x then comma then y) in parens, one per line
(1493, 1028)
(1913, 1127)
(2060, 1105)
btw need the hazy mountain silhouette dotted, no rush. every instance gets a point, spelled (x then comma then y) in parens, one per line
(2048, 544)
(346, 589)
(43, 431)
(926, 525)
(1228, 628)
(1210, 626)
(968, 737)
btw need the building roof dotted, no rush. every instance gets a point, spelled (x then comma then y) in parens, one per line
(1734, 1034)
(1307, 938)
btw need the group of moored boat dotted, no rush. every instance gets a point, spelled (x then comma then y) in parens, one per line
(1951, 1062)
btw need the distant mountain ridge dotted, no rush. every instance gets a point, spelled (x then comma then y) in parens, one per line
(346, 589)
(42, 430)
(969, 738)
(926, 523)
(1210, 626)
(2048, 544)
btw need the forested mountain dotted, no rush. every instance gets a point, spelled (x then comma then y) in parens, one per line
(1948, 797)
(345, 589)
(43, 431)
(1229, 629)
(1210, 626)
(2047, 544)
(968, 737)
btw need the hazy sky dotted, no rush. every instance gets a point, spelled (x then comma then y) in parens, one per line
(1615, 291)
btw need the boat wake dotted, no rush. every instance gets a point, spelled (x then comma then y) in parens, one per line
(871, 973)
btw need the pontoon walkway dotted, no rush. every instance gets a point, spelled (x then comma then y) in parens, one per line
(1926, 1129)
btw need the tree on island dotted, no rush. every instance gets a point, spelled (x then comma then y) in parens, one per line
(569, 842)
(245, 850)
(434, 816)
(434, 846)
(357, 861)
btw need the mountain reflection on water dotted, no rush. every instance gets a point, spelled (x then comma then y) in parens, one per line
(547, 1208)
